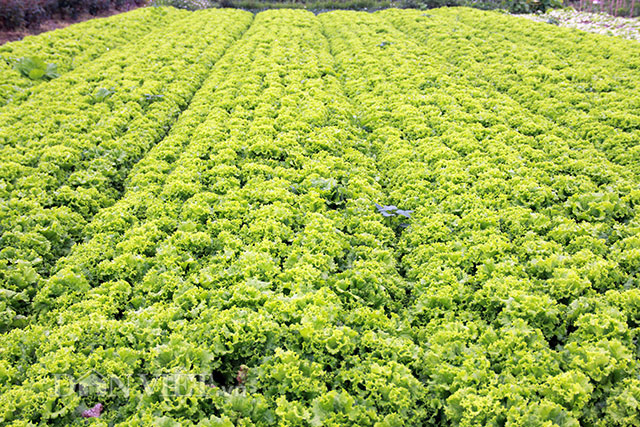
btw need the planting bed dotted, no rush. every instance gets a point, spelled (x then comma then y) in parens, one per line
(392, 218)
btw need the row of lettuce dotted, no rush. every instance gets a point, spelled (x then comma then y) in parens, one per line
(75, 46)
(246, 238)
(66, 152)
(240, 273)
(523, 251)
(587, 84)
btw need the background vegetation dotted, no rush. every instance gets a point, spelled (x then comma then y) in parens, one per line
(30, 13)
(512, 5)
(613, 7)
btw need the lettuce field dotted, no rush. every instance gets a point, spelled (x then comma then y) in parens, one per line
(399, 218)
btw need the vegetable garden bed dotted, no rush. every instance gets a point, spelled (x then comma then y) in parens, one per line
(600, 23)
(392, 218)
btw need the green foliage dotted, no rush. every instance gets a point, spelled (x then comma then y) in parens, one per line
(102, 94)
(81, 168)
(368, 219)
(73, 46)
(36, 69)
(532, 6)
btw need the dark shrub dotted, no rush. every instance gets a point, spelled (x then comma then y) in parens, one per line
(71, 8)
(11, 14)
(96, 6)
(30, 13)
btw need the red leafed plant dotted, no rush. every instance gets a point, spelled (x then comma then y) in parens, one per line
(93, 412)
(242, 374)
